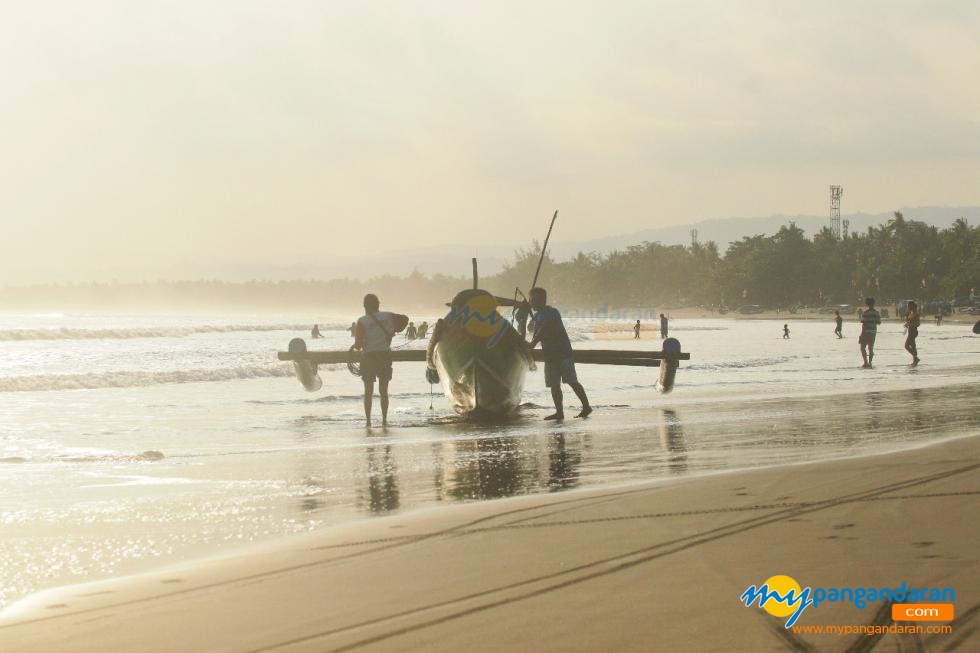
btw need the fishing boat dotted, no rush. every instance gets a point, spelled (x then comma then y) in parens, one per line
(482, 359)
(479, 356)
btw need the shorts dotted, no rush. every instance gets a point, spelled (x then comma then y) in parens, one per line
(559, 371)
(376, 365)
(867, 338)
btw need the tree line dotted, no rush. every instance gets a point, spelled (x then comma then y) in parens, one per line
(901, 259)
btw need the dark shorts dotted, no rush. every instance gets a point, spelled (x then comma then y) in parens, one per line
(559, 371)
(867, 338)
(376, 365)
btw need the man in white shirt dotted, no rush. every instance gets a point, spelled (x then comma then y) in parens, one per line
(870, 319)
(373, 333)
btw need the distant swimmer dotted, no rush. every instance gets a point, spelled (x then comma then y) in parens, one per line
(353, 329)
(870, 319)
(840, 325)
(559, 363)
(663, 326)
(785, 332)
(912, 332)
(636, 331)
(315, 333)
(411, 332)
(374, 331)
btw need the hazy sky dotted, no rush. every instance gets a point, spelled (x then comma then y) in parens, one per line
(137, 137)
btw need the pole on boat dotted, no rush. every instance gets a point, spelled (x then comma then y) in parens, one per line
(522, 315)
(544, 248)
(476, 277)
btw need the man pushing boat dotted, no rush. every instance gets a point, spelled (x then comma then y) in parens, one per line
(373, 333)
(559, 365)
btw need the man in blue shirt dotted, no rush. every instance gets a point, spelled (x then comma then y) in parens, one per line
(559, 364)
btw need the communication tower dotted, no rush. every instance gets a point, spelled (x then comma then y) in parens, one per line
(835, 193)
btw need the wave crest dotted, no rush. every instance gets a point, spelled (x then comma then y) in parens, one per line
(131, 379)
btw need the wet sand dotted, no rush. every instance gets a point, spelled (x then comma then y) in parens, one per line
(640, 567)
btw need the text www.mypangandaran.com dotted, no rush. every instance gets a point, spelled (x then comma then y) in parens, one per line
(871, 630)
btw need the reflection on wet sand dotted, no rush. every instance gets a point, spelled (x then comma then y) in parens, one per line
(686, 439)
(563, 463)
(383, 494)
(672, 441)
(489, 468)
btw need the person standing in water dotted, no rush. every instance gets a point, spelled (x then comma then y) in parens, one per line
(411, 333)
(840, 325)
(636, 331)
(559, 363)
(373, 333)
(785, 332)
(315, 333)
(663, 326)
(912, 332)
(870, 319)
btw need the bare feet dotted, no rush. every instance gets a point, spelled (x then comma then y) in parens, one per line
(556, 416)
(586, 411)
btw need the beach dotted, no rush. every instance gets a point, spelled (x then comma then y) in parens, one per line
(187, 467)
(658, 565)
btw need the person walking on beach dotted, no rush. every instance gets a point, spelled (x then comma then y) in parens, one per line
(373, 333)
(785, 332)
(636, 331)
(559, 365)
(870, 319)
(840, 325)
(663, 326)
(912, 332)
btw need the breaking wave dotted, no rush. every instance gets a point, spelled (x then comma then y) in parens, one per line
(150, 332)
(129, 379)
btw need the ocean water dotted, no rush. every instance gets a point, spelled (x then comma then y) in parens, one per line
(131, 442)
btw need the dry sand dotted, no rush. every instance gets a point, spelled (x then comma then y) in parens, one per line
(650, 567)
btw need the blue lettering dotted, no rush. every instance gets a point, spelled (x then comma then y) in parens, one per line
(819, 594)
(764, 594)
(899, 594)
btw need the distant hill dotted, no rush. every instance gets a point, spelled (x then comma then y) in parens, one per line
(454, 260)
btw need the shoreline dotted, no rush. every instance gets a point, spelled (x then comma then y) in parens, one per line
(139, 601)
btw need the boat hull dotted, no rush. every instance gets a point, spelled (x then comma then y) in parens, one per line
(480, 378)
